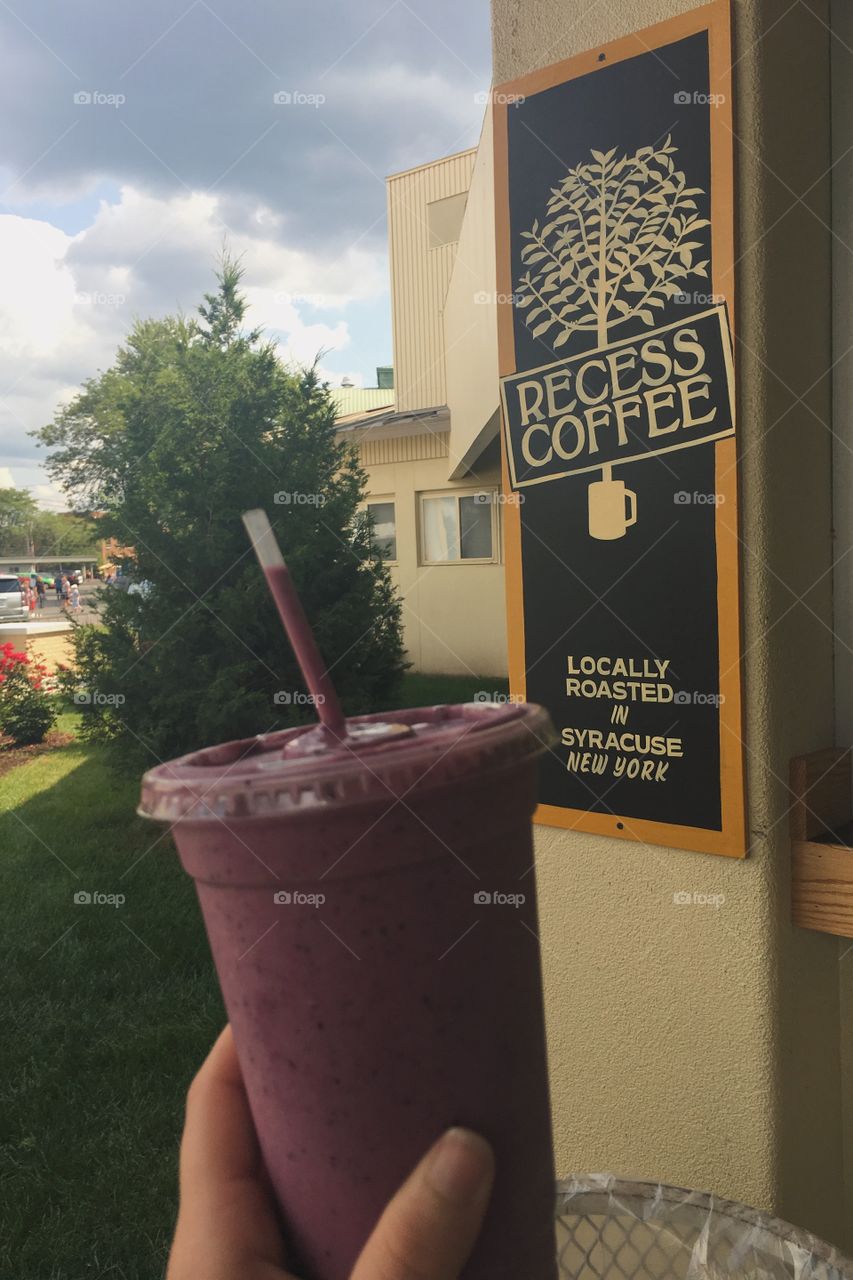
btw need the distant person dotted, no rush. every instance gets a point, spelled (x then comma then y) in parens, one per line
(75, 598)
(65, 592)
(41, 592)
(57, 586)
(31, 598)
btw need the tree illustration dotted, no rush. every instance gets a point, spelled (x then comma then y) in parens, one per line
(618, 238)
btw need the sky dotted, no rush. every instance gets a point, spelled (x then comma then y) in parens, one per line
(141, 138)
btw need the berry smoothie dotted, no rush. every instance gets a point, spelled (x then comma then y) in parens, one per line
(371, 908)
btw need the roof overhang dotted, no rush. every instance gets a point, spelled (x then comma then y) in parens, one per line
(392, 426)
(484, 437)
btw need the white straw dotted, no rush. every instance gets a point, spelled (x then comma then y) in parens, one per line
(263, 539)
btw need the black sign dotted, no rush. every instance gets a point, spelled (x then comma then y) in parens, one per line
(619, 422)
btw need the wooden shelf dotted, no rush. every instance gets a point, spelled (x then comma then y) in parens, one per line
(822, 842)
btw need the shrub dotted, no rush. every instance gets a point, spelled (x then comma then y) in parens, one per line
(26, 708)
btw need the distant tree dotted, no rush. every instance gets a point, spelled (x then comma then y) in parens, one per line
(25, 530)
(62, 533)
(617, 240)
(196, 421)
(17, 512)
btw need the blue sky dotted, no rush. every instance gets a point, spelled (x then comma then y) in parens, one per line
(141, 137)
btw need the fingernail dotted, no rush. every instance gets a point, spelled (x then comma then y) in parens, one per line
(460, 1166)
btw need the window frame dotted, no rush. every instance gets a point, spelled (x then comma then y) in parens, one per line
(426, 494)
(375, 500)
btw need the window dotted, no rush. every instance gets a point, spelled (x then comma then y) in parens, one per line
(383, 519)
(458, 526)
(444, 219)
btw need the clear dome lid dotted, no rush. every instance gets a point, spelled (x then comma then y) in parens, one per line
(382, 756)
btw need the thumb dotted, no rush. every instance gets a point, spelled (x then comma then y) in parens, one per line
(429, 1228)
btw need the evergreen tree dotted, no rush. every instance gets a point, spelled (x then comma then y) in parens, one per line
(196, 421)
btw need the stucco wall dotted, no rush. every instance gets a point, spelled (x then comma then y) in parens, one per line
(454, 615)
(53, 649)
(43, 642)
(695, 1044)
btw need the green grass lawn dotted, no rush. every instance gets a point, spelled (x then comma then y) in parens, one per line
(108, 1013)
(109, 1009)
(426, 691)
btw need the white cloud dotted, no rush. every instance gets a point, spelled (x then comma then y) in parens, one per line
(49, 498)
(406, 91)
(154, 249)
(33, 272)
(303, 346)
(393, 85)
(68, 301)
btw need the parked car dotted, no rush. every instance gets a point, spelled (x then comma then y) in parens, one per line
(12, 606)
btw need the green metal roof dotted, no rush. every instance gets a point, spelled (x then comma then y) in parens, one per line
(361, 399)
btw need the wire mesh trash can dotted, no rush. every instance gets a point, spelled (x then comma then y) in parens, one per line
(613, 1229)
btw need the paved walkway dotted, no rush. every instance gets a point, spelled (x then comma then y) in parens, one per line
(86, 613)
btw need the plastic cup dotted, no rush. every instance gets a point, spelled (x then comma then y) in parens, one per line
(371, 911)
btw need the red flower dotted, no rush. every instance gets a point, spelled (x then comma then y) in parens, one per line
(15, 665)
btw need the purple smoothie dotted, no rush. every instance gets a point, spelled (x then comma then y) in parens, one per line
(375, 1000)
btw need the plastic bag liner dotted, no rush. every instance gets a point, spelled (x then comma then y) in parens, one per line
(609, 1228)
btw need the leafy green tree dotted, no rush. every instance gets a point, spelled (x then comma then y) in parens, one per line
(17, 513)
(62, 533)
(25, 530)
(196, 421)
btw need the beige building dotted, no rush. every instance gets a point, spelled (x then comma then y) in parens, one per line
(433, 457)
(708, 1049)
(714, 1049)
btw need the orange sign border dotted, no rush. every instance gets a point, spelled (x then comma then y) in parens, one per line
(715, 18)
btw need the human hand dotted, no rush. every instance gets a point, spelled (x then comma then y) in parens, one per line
(227, 1228)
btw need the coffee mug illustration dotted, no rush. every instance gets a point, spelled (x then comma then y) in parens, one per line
(612, 508)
